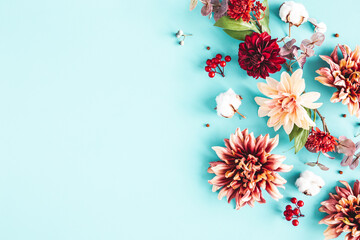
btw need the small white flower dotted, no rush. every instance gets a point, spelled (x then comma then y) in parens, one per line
(182, 43)
(293, 13)
(179, 33)
(309, 183)
(319, 27)
(227, 103)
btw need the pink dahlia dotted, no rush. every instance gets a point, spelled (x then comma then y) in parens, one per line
(259, 55)
(246, 167)
(344, 75)
(343, 209)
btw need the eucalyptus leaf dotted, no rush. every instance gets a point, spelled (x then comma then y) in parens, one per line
(240, 35)
(235, 25)
(265, 21)
(193, 4)
(311, 164)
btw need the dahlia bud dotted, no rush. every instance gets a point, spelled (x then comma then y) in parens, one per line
(293, 13)
(309, 184)
(228, 103)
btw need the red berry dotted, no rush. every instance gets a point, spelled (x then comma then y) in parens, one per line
(207, 48)
(213, 65)
(228, 58)
(296, 211)
(295, 222)
(288, 207)
(288, 218)
(223, 63)
(217, 61)
(211, 74)
(219, 56)
(207, 69)
(214, 60)
(208, 62)
(288, 213)
(293, 200)
(300, 203)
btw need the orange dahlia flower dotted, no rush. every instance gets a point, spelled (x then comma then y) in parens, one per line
(343, 209)
(246, 167)
(287, 103)
(344, 75)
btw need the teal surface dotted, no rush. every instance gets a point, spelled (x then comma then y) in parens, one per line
(102, 122)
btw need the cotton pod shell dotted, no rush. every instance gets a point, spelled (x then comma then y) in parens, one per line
(227, 103)
(309, 183)
(293, 13)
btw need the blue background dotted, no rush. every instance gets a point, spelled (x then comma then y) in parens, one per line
(102, 130)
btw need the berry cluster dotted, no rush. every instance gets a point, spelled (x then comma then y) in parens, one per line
(212, 65)
(295, 213)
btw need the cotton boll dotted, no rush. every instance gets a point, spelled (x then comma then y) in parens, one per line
(293, 13)
(227, 103)
(179, 33)
(309, 183)
(319, 27)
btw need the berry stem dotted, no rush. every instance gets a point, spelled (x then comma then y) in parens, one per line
(221, 72)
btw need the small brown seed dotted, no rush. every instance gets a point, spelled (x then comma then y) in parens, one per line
(207, 48)
(337, 35)
(207, 125)
(341, 172)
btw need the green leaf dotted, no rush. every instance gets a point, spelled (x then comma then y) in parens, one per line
(240, 35)
(265, 21)
(300, 139)
(300, 135)
(235, 25)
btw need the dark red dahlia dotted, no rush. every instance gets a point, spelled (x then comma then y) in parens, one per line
(243, 8)
(319, 141)
(259, 55)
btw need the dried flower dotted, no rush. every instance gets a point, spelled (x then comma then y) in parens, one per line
(343, 75)
(289, 50)
(242, 9)
(343, 209)
(317, 39)
(293, 13)
(319, 27)
(287, 103)
(207, 9)
(228, 103)
(309, 183)
(319, 141)
(219, 9)
(259, 55)
(246, 167)
(348, 148)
